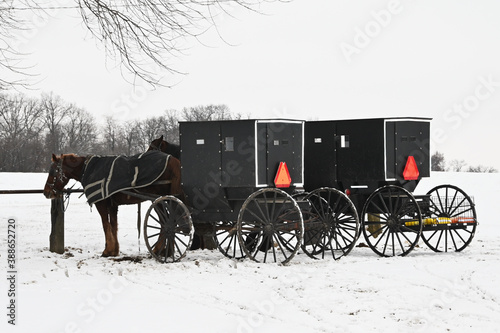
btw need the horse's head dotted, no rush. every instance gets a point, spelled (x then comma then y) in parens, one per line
(63, 168)
(165, 147)
(158, 144)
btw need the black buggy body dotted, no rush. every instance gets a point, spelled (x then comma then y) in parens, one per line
(360, 156)
(269, 189)
(223, 162)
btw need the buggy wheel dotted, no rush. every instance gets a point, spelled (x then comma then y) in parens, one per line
(331, 225)
(391, 221)
(226, 236)
(452, 215)
(168, 229)
(270, 226)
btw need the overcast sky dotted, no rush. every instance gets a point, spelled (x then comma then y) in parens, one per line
(309, 59)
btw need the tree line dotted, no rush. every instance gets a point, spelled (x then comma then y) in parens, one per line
(438, 163)
(31, 129)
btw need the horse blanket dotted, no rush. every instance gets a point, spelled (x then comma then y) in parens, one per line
(107, 175)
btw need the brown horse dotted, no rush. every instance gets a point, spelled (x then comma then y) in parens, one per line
(71, 166)
(166, 147)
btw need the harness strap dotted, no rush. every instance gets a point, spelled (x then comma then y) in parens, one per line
(139, 226)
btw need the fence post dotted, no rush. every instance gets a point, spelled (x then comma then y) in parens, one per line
(57, 231)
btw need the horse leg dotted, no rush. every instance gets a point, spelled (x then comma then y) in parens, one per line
(102, 208)
(113, 219)
(161, 243)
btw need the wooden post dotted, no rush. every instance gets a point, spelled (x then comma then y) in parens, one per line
(57, 232)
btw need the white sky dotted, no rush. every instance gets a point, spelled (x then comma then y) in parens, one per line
(427, 58)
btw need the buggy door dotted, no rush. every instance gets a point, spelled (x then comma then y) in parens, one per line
(201, 161)
(238, 154)
(406, 138)
(280, 141)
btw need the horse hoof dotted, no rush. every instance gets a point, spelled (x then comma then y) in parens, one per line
(110, 254)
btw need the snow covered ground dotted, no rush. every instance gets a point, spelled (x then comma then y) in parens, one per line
(81, 292)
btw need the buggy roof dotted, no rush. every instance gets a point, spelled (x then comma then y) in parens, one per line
(250, 120)
(302, 120)
(389, 118)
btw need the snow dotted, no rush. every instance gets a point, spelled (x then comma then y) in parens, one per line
(81, 292)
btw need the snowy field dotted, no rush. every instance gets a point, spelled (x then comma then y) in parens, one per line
(81, 292)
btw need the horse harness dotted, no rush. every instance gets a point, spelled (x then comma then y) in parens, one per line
(57, 174)
(155, 147)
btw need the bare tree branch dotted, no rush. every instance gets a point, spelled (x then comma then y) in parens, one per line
(8, 55)
(142, 35)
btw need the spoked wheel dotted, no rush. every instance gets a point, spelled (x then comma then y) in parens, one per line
(331, 226)
(392, 222)
(226, 235)
(452, 221)
(168, 229)
(270, 226)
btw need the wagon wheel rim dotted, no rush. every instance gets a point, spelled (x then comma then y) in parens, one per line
(168, 229)
(451, 221)
(391, 221)
(331, 225)
(270, 226)
(226, 236)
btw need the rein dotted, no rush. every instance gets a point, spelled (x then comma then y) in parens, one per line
(155, 147)
(59, 175)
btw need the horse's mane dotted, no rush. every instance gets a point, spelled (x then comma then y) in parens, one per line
(174, 150)
(63, 156)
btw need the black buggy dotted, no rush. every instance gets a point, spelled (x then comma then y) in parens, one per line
(379, 163)
(266, 189)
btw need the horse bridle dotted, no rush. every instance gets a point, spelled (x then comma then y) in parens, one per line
(59, 175)
(155, 147)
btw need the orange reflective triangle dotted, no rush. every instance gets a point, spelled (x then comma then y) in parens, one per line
(411, 169)
(282, 178)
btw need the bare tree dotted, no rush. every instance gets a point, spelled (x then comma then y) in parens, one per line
(482, 169)
(111, 132)
(208, 112)
(170, 126)
(55, 112)
(21, 148)
(79, 131)
(438, 162)
(130, 136)
(142, 34)
(149, 130)
(457, 165)
(9, 55)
